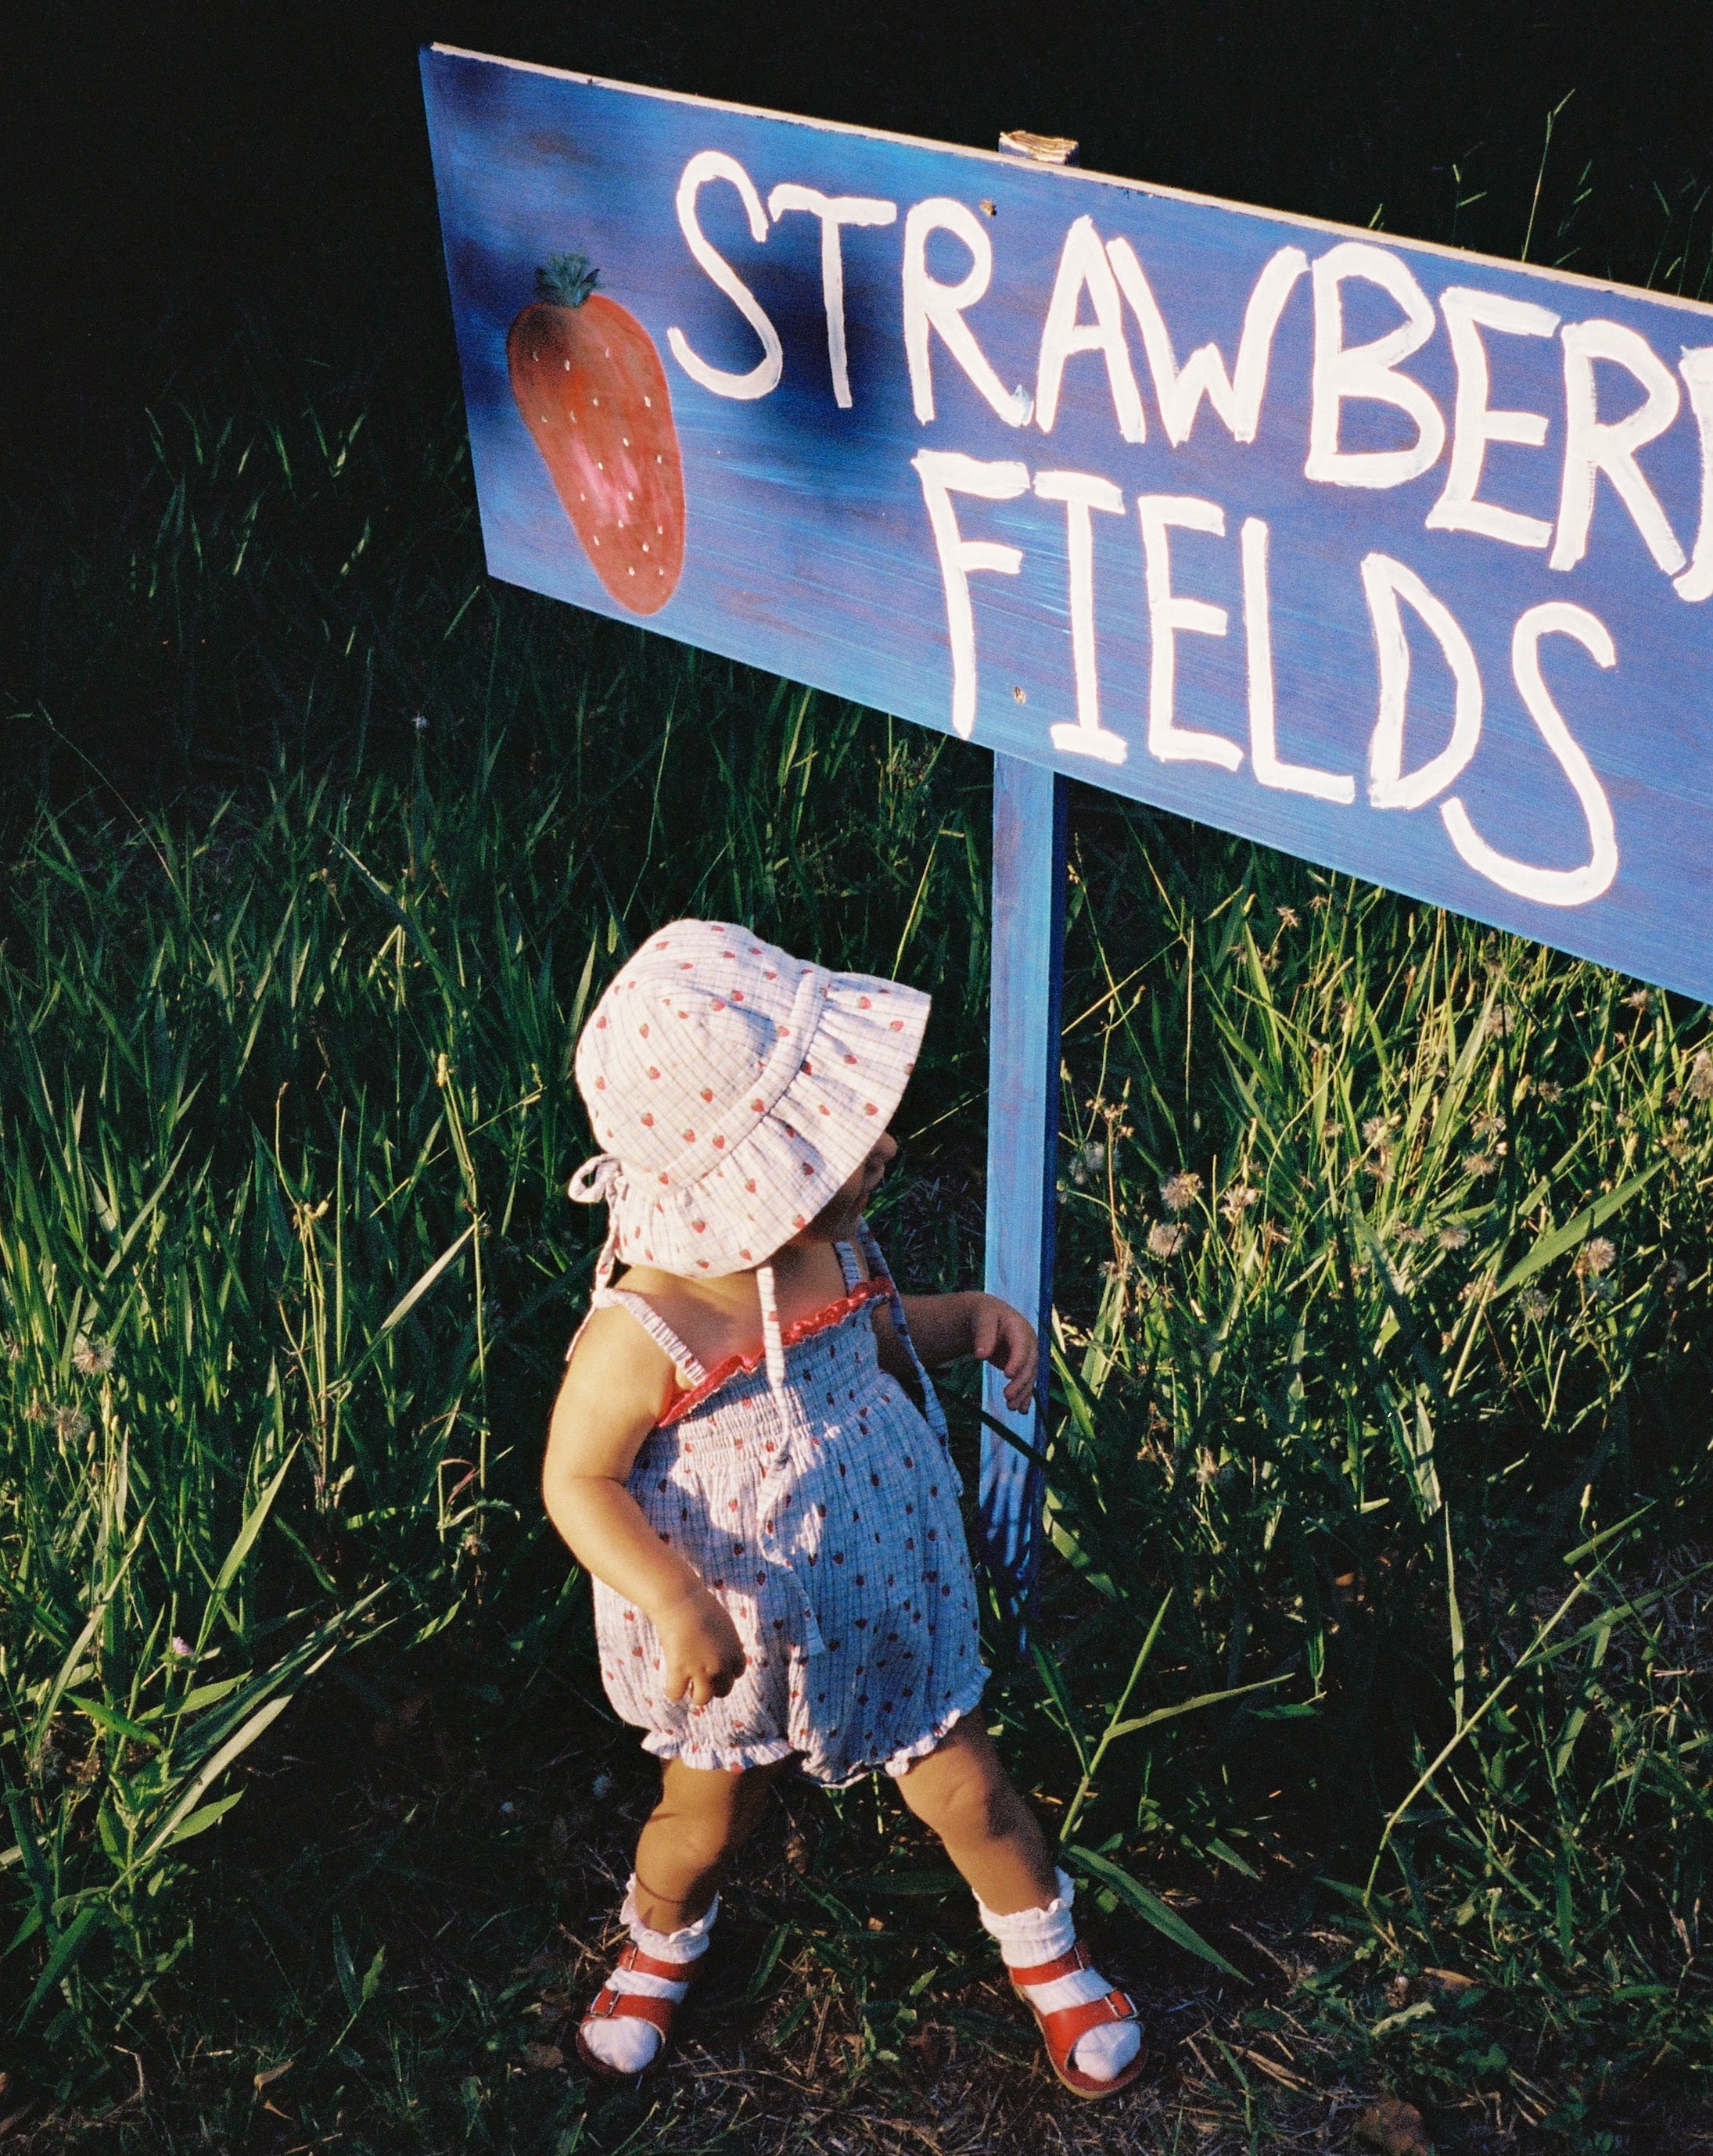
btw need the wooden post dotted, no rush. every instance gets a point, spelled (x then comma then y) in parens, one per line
(1029, 806)
(1028, 957)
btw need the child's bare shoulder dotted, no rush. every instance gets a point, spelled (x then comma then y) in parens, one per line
(614, 1354)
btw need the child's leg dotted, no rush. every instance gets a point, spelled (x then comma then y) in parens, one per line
(680, 1857)
(961, 1791)
(702, 1818)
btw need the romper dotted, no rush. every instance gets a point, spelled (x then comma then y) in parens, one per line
(820, 1504)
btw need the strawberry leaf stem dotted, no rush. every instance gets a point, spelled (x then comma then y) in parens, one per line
(567, 280)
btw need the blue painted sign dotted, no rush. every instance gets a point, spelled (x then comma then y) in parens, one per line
(1395, 557)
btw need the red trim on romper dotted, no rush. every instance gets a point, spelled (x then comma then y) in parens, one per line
(873, 1290)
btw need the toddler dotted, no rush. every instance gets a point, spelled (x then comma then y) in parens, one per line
(738, 1458)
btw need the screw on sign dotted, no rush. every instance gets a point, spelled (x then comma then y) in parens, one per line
(590, 387)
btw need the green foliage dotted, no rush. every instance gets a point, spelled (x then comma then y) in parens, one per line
(1378, 1487)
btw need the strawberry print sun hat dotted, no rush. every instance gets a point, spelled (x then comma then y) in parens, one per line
(736, 1088)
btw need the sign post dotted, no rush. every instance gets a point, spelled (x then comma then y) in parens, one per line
(1028, 943)
(1391, 557)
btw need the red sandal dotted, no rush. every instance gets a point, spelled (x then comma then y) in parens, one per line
(1062, 2026)
(639, 2005)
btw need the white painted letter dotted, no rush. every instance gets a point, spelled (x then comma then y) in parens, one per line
(1264, 740)
(943, 473)
(1167, 614)
(1236, 397)
(1083, 262)
(1550, 886)
(1696, 368)
(1466, 313)
(1369, 371)
(833, 211)
(929, 305)
(1592, 446)
(1082, 492)
(1385, 582)
(715, 164)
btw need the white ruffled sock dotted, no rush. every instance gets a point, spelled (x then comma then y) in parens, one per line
(626, 2042)
(1029, 1936)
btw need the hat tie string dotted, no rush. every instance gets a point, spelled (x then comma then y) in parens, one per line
(601, 1181)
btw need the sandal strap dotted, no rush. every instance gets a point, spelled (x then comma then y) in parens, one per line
(674, 1972)
(1066, 2025)
(636, 2005)
(1046, 1972)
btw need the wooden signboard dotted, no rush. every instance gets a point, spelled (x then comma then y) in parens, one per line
(1395, 557)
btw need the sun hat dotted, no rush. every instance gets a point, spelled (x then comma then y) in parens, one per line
(736, 1088)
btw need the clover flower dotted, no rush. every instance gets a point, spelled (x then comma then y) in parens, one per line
(1597, 1256)
(180, 1648)
(1179, 1191)
(91, 1358)
(1166, 1238)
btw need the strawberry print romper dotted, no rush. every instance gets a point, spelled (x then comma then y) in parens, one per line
(820, 1504)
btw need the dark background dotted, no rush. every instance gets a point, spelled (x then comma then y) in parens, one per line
(175, 170)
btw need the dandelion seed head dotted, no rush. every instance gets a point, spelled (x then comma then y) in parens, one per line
(1409, 1233)
(1641, 1001)
(91, 1358)
(70, 1424)
(1374, 1130)
(1179, 1191)
(1479, 1163)
(1452, 1238)
(1699, 1085)
(1597, 1255)
(1166, 1238)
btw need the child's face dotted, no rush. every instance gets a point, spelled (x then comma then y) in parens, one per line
(842, 1210)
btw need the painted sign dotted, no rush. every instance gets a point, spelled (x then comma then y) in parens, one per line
(1395, 557)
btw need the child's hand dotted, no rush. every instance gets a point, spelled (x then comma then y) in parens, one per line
(1004, 1338)
(699, 1644)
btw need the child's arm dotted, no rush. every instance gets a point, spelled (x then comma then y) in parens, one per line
(609, 1402)
(947, 1327)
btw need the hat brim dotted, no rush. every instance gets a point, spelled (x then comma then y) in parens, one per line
(788, 1168)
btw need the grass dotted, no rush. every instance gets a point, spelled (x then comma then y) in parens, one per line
(1368, 1698)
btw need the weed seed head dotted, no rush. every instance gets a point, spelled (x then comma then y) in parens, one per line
(1166, 1238)
(1179, 1192)
(70, 1425)
(1236, 1199)
(1597, 1256)
(1534, 1304)
(1699, 1085)
(1452, 1238)
(91, 1358)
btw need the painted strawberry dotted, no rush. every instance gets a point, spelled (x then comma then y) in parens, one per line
(591, 389)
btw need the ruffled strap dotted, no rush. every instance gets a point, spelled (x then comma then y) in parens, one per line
(933, 1413)
(652, 1324)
